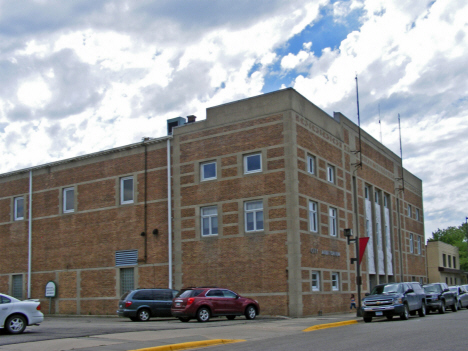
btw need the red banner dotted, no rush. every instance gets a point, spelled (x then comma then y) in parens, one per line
(362, 247)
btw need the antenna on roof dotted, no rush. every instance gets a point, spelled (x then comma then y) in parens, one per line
(402, 188)
(358, 164)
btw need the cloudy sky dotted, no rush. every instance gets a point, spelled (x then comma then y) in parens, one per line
(81, 76)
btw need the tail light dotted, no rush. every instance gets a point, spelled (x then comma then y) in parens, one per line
(38, 307)
(190, 300)
(128, 303)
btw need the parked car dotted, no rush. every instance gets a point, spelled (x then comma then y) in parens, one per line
(439, 297)
(142, 304)
(15, 315)
(394, 299)
(204, 303)
(461, 294)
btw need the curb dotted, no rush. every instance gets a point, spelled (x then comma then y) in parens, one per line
(190, 345)
(330, 325)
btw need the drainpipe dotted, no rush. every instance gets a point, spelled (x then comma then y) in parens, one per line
(30, 234)
(146, 202)
(169, 212)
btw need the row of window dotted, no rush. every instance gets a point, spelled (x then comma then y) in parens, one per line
(311, 168)
(332, 219)
(316, 281)
(449, 261)
(418, 244)
(252, 164)
(410, 212)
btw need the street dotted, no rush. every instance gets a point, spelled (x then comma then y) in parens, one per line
(435, 331)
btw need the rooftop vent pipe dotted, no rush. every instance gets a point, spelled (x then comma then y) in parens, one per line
(191, 119)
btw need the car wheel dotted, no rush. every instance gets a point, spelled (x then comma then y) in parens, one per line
(405, 315)
(16, 324)
(459, 305)
(422, 310)
(203, 315)
(143, 315)
(250, 312)
(442, 307)
(389, 318)
(455, 307)
(184, 319)
(367, 319)
(230, 317)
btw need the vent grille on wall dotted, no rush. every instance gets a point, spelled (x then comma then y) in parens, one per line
(126, 258)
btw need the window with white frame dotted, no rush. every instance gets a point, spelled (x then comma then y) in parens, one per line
(419, 245)
(311, 164)
(68, 200)
(253, 216)
(208, 171)
(332, 221)
(331, 174)
(417, 214)
(411, 243)
(126, 190)
(19, 208)
(313, 218)
(335, 281)
(410, 213)
(209, 221)
(253, 163)
(315, 284)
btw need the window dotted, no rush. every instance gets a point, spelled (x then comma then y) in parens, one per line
(454, 262)
(253, 216)
(409, 211)
(17, 286)
(444, 260)
(331, 174)
(417, 214)
(449, 261)
(253, 163)
(313, 218)
(376, 197)
(311, 164)
(366, 192)
(335, 281)
(411, 243)
(126, 190)
(208, 171)
(68, 200)
(126, 280)
(419, 245)
(19, 208)
(385, 201)
(315, 281)
(209, 221)
(332, 221)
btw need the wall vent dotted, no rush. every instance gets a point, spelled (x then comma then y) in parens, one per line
(126, 258)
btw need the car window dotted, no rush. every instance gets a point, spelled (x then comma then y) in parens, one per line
(163, 295)
(143, 295)
(229, 294)
(387, 289)
(432, 288)
(125, 295)
(215, 293)
(189, 293)
(4, 299)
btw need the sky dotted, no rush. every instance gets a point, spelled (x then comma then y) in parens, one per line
(81, 76)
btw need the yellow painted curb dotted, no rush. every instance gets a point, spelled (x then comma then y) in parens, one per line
(330, 325)
(190, 345)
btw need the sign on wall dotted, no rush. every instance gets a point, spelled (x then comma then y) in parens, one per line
(51, 289)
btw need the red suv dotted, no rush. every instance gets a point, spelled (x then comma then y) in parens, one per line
(203, 303)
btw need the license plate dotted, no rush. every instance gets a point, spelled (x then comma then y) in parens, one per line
(177, 304)
(378, 313)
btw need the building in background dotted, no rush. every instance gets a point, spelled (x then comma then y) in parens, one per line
(260, 194)
(443, 264)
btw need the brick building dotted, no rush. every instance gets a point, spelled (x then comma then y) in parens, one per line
(261, 192)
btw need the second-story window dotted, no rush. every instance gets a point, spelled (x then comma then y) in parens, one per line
(331, 174)
(253, 216)
(68, 200)
(411, 243)
(209, 219)
(332, 221)
(311, 164)
(253, 163)
(208, 171)
(19, 208)
(410, 213)
(444, 260)
(126, 190)
(419, 245)
(313, 218)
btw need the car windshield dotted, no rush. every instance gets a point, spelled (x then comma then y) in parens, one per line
(387, 289)
(432, 288)
(453, 288)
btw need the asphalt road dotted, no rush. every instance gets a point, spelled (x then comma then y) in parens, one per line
(434, 332)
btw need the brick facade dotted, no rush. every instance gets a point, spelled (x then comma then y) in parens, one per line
(274, 264)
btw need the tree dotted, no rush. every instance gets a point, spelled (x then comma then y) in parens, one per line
(456, 236)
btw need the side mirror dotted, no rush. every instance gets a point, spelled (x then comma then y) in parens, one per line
(446, 290)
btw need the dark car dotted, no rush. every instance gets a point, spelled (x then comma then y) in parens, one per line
(203, 303)
(394, 299)
(439, 297)
(462, 296)
(142, 304)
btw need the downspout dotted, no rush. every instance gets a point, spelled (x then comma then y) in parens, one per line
(30, 235)
(146, 203)
(169, 212)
